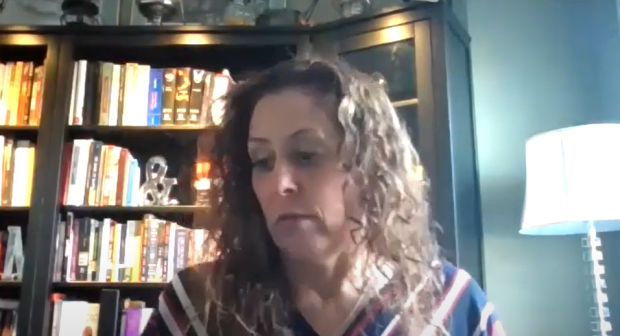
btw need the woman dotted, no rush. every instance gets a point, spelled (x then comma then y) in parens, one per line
(325, 226)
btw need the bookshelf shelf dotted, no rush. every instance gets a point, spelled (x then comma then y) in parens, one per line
(24, 128)
(182, 214)
(14, 216)
(14, 209)
(10, 284)
(129, 134)
(109, 285)
(27, 132)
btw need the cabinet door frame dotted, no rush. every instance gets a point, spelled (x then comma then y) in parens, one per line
(416, 29)
(427, 26)
(433, 146)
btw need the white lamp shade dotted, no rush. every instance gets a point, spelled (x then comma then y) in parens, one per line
(573, 178)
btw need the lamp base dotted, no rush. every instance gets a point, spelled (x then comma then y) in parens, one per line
(79, 12)
(593, 255)
(157, 12)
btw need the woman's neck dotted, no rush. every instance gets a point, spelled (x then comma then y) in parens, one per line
(325, 279)
(330, 294)
(328, 279)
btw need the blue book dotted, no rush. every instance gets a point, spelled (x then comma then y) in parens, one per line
(130, 181)
(155, 97)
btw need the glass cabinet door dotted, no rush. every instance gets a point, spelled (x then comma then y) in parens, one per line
(393, 62)
(388, 55)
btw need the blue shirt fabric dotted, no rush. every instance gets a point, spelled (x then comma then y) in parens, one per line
(464, 310)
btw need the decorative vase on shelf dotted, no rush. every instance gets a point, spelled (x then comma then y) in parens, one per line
(157, 11)
(238, 13)
(79, 12)
(349, 8)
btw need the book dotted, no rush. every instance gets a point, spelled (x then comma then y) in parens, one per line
(132, 94)
(74, 318)
(17, 171)
(97, 174)
(21, 93)
(148, 250)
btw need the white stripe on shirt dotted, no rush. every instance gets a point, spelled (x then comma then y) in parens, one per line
(165, 314)
(459, 283)
(484, 319)
(179, 289)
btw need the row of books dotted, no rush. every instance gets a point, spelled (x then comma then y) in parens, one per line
(134, 94)
(11, 253)
(8, 317)
(16, 175)
(21, 93)
(150, 250)
(81, 318)
(96, 174)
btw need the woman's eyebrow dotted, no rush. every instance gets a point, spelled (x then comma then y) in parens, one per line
(259, 140)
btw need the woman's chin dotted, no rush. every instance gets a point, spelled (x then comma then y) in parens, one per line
(306, 250)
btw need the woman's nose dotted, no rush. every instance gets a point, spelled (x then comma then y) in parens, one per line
(286, 181)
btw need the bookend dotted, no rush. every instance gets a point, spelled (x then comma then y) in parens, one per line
(14, 260)
(109, 312)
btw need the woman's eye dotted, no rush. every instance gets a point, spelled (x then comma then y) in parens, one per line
(261, 164)
(305, 158)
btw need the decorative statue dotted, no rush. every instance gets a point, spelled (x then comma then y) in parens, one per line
(156, 189)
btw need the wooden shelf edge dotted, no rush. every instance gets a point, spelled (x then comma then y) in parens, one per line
(162, 128)
(145, 209)
(10, 283)
(94, 284)
(19, 128)
(14, 208)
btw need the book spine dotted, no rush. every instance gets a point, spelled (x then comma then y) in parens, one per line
(168, 95)
(181, 97)
(196, 95)
(154, 114)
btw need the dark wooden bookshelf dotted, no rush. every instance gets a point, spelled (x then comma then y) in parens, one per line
(10, 289)
(122, 129)
(182, 213)
(62, 286)
(14, 215)
(10, 284)
(14, 209)
(181, 134)
(28, 132)
(4, 129)
(147, 292)
(429, 29)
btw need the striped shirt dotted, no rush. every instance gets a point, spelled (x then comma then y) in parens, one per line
(464, 310)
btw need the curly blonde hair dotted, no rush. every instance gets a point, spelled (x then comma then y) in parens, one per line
(247, 291)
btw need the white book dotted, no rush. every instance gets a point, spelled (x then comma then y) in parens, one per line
(104, 265)
(114, 92)
(73, 316)
(2, 139)
(171, 250)
(78, 117)
(78, 171)
(6, 92)
(131, 77)
(20, 174)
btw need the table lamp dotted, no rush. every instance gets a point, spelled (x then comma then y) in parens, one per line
(573, 188)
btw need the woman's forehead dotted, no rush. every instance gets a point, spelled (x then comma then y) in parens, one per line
(281, 114)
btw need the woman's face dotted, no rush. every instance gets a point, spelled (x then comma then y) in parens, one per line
(298, 177)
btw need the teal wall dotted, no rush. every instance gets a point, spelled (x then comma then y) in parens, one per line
(537, 65)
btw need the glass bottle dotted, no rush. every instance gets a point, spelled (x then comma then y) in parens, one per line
(238, 13)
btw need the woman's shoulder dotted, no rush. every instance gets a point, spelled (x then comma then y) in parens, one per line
(191, 282)
(465, 306)
(181, 304)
